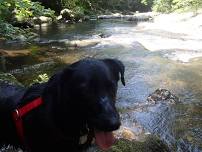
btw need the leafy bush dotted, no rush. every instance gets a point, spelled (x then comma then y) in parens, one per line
(6, 7)
(22, 9)
(172, 5)
(7, 30)
(39, 10)
(78, 13)
(187, 4)
(162, 6)
(10, 32)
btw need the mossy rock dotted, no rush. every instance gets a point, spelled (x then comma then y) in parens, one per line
(151, 144)
(9, 78)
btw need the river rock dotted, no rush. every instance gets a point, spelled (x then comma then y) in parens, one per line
(72, 43)
(59, 17)
(42, 19)
(103, 35)
(23, 24)
(162, 95)
(86, 18)
(140, 18)
(134, 17)
(81, 43)
(67, 14)
(21, 38)
(9, 79)
(126, 133)
(150, 144)
(113, 16)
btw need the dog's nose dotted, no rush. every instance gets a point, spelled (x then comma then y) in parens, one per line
(114, 124)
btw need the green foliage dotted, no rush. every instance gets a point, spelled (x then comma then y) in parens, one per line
(172, 5)
(89, 6)
(7, 30)
(78, 12)
(22, 10)
(68, 4)
(187, 4)
(14, 33)
(6, 6)
(34, 50)
(162, 6)
(122, 5)
(144, 2)
(41, 79)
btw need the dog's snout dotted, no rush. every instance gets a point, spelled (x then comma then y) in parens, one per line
(114, 123)
(109, 115)
(107, 123)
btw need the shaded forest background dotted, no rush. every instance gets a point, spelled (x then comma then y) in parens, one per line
(16, 11)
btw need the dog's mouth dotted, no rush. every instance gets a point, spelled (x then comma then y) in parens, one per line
(104, 139)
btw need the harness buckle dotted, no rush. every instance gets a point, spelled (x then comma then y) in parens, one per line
(17, 115)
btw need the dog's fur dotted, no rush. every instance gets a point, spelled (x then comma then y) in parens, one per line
(77, 100)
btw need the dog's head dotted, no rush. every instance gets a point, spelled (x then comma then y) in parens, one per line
(89, 87)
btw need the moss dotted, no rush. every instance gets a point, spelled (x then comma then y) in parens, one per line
(151, 144)
(34, 49)
(9, 78)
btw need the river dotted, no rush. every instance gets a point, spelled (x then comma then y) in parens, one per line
(180, 125)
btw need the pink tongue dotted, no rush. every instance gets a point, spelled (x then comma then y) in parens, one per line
(104, 139)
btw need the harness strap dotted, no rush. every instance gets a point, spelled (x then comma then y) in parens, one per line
(22, 111)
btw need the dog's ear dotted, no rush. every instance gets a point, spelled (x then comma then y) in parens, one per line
(116, 66)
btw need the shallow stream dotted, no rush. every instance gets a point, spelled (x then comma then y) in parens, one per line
(180, 125)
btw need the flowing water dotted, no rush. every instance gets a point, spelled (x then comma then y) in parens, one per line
(180, 125)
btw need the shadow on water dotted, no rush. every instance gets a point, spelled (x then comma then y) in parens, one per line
(179, 125)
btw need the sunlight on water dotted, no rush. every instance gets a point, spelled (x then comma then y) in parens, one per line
(183, 56)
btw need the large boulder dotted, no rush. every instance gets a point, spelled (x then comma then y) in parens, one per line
(67, 14)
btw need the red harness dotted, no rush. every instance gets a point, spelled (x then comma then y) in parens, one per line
(22, 111)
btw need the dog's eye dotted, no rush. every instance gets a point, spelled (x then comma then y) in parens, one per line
(112, 88)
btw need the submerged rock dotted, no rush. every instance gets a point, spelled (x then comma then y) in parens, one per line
(140, 18)
(133, 17)
(72, 43)
(162, 95)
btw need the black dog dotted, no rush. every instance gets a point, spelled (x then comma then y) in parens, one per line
(78, 100)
